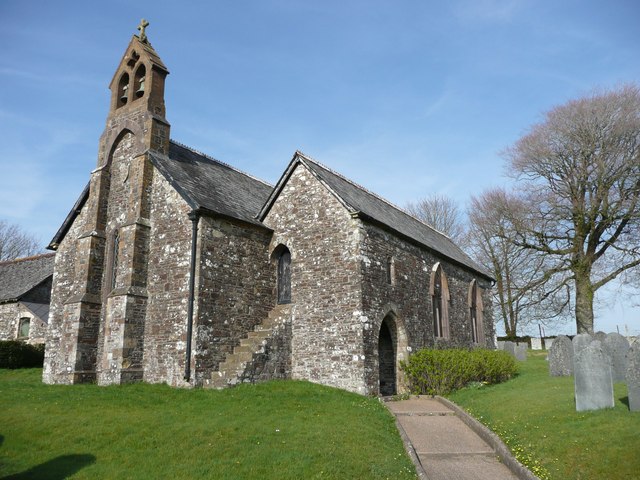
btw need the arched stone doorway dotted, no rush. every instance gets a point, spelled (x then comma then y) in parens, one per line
(387, 347)
(393, 348)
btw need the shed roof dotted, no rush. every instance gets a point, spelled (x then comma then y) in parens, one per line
(18, 277)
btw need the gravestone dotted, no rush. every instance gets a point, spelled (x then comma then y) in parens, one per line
(548, 342)
(500, 345)
(580, 341)
(510, 348)
(520, 351)
(592, 378)
(536, 343)
(617, 347)
(561, 357)
(633, 377)
(600, 336)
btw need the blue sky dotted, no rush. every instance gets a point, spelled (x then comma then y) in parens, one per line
(407, 98)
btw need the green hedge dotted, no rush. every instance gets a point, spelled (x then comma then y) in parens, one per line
(14, 354)
(439, 372)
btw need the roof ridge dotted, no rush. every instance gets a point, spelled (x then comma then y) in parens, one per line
(373, 194)
(209, 157)
(27, 259)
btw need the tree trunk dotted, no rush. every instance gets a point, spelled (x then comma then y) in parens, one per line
(584, 304)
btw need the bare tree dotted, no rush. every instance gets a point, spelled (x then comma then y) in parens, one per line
(523, 294)
(579, 177)
(15, 243)
(442, 213)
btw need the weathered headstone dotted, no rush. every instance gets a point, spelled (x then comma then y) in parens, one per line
(548, 342)
(600, 336)
(510, 348)
(633, 377)
(500, 345)
(520, 351)
(561, 357)
(536, 343)
(592, 377)
(617, 347)
(580, 341)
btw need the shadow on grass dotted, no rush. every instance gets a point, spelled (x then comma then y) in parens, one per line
(625, 400)
(57, 468)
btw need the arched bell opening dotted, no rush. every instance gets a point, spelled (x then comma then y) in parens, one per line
(123, 90)
(139, 83)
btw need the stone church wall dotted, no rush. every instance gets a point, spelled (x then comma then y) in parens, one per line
(9, 315)
(408, 296)
(323, 240)
(60, 336)
(168, 285)
(236, 288)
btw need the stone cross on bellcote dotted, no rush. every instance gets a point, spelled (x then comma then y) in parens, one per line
(143, 36)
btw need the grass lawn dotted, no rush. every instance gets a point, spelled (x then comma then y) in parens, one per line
(535, 415)
(283, 430)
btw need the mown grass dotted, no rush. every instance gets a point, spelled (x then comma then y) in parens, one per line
(535, 415)
(283, 430)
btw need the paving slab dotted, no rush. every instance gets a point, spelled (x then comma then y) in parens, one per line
(462, 467)
(446, 444)
(419, 405)
(442, 434)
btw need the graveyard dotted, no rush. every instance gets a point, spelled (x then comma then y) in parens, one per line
(535, 415)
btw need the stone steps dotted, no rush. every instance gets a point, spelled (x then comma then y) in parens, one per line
(232, 368)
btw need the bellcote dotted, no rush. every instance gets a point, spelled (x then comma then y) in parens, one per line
(138, 83)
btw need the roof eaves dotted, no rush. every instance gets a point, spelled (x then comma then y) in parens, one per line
(275, 193)
(408, 238)
(298, 158)
(70, 218)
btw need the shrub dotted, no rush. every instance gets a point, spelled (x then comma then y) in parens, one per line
(15, 354)
(439, 372)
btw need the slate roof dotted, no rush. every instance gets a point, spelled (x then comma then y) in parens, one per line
(369, 206)
(210, 185)
(19, 276)
(205, 184)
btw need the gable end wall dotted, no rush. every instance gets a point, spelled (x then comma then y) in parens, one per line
(323, 238)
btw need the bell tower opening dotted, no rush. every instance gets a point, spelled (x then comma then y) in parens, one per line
(123, 90)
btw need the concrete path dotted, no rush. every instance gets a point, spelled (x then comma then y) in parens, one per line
(445, 443)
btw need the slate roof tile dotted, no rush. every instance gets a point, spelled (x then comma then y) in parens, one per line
(19, 276)
(374, 208)
(212, 185)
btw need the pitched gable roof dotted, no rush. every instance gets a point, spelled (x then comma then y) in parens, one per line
(210, 185)
(205, 184)
(18, 277)
(370, 207)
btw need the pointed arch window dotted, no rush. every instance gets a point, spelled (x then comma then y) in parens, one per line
(475, 312)
(24, 327)
(114, 258)
(284, 276)
(139, 83)
(123, 90)
(391, 271)
(440, 298)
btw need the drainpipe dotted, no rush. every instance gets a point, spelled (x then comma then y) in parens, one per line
(194, 216)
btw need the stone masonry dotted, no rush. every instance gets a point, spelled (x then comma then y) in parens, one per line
(171, 268)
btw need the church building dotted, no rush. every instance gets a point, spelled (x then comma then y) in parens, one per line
(173, 267)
